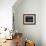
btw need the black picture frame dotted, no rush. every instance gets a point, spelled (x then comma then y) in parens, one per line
(29, 19)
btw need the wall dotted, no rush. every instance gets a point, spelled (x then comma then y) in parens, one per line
(6, 13)
(43, 22)
(32, 32)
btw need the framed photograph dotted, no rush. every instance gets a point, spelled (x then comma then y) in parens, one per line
(29, 19)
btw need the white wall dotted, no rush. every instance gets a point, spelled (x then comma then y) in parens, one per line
(32, 32)
(6, 13)
(43, 22)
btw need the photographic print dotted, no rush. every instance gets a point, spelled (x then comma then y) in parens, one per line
(29, 19)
